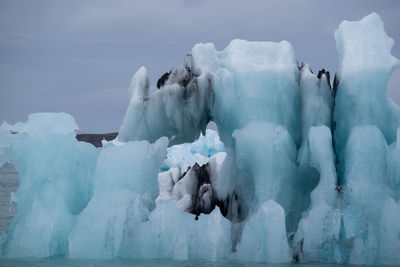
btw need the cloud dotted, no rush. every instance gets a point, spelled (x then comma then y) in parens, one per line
(16, 35)
(63, 54)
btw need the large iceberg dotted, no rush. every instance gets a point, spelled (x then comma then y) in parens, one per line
(300, 169)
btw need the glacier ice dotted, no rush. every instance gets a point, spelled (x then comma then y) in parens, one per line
(179, 110)
(187, 154)
(172, 233)
(300, 169)
(126, 199)
(273, 176)
(365, 65)
(264, 236)
(318, 235)
(245, 82)
(55, 184)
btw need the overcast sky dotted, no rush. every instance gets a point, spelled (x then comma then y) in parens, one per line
(79, 56)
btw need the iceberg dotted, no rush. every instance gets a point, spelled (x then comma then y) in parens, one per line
(300, 170)
(365, 65)
(56, 183)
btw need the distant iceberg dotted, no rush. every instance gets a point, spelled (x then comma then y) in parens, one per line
(301, 169)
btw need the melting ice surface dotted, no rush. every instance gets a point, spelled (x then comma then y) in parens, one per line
(298, 171)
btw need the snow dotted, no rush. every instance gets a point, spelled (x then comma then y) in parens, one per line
(187, 154)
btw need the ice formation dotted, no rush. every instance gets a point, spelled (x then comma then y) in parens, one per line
(304, 170)
(179, 111)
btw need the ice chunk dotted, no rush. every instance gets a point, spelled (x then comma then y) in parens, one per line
(366, 64)
(364, 45)
(264, 236)
(316, 110)
(166, 182)
(124, 194)
(179, 109)
(185, 189)
(366, 120)
(369, 196)
(316, 107)
(139, 87)
(268, 154)
(37, 124)
(56, 183)
(171, 233)
(389, 232)
(252, 81)
(318, 235)
(215, 168)
(194, 189)
(48, 123)
(185, 155)
(207, 145)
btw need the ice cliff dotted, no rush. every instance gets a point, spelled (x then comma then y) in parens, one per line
(300, 170)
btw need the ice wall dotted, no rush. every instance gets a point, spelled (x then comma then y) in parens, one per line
(368, 195)
(252, 81)
(318, 236)
(303, 172)
(351, 225)
(66, 184)
(366, 122)
(365, 65)
(125, 188)
(173, 234)
(55, 184)
(178, 110)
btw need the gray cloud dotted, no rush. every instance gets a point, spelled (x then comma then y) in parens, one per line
(79, 56)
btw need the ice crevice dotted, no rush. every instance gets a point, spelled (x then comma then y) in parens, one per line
(299, 170)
